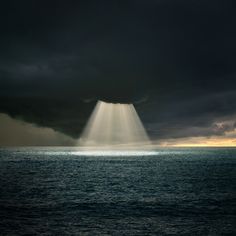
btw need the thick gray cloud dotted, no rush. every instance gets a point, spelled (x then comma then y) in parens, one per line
(174, 59)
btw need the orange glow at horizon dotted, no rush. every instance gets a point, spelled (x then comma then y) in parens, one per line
(201, 142)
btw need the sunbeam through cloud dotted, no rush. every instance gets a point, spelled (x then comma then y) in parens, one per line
(114, 124)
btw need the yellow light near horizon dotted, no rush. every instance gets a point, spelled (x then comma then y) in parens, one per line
(202, 142)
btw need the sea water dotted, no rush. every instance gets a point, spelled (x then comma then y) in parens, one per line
(63, 191)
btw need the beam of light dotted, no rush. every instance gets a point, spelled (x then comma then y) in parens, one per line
(114, 125)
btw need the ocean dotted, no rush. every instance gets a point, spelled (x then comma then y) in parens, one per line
(169, 191)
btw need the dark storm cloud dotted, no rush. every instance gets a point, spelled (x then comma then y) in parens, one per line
(174, 59)
(203, 115)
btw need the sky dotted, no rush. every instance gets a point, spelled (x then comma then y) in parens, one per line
(175, 60)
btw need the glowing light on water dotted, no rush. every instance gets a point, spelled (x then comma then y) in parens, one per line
(112, 125)
(114, 153)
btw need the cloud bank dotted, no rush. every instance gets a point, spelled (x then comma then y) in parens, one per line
(175, 60)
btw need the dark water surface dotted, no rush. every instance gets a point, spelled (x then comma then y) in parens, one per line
(58, 191)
